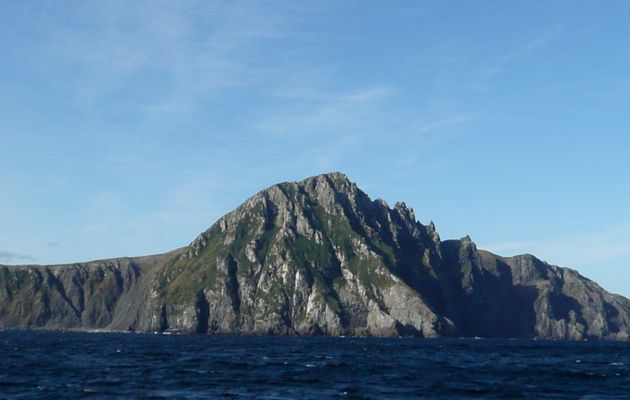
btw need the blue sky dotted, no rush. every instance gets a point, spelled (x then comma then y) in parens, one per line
(127, 129)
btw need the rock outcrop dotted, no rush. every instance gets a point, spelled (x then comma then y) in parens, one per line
(317, 257)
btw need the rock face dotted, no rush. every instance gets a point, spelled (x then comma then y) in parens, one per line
(317, 257)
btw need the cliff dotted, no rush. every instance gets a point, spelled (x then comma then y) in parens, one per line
(317, 257)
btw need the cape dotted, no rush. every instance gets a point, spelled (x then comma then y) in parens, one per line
(317, 257)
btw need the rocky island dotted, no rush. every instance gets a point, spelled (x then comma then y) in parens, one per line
(317, 257)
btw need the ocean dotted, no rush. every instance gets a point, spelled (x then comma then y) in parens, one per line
(57, 365)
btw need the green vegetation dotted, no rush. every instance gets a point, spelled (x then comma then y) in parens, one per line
(307, 252)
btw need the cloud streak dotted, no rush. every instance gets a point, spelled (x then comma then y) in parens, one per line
(583, 249)
(186, 51)
(11, 257)
(521, 51)
(322, 113)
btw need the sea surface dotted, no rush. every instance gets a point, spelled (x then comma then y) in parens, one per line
(54, 365)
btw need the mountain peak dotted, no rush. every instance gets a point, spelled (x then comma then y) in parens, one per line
(337, 180)
(335, 175)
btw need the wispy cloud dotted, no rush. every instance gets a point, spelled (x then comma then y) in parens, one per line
(425, 125)
(521, 51)
(173, 53)
(322, 113)
(333, 128)
(9, 256)
(593, 248)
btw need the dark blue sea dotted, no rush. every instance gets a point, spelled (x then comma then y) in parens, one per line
(53, 365)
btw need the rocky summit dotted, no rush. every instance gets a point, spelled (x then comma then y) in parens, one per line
(317, 257)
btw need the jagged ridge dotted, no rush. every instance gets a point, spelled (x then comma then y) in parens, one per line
(317, 257)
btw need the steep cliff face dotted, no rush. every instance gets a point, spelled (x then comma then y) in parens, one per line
(317, 257)
(524, 297)
(99, 294)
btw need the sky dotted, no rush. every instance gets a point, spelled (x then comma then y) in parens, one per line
(127, 128)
